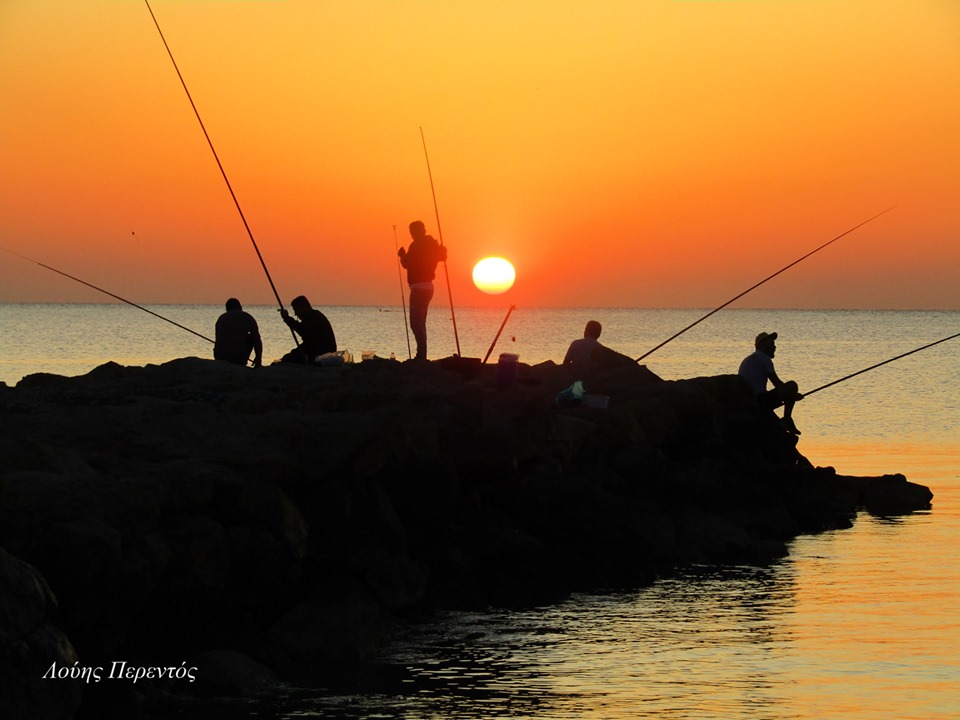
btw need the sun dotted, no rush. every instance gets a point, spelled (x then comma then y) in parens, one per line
(493, 275)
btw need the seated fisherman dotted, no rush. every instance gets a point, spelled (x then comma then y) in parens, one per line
(314, 330)
(581, 350)
(757, 369)
(237, 335)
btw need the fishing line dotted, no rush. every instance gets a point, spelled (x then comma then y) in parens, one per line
(436, 211)
(403, 299)
(106, 292)
(673, 337)
(219, 165)
(860, 372)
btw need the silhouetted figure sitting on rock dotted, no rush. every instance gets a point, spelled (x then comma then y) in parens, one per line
(314, 330)
(757, 368)
(588, 351)
(581, 350)
(237, 334)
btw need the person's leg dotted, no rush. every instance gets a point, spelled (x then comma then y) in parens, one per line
(770, 399)
(789, 392)
(295, 356)
(419, 301)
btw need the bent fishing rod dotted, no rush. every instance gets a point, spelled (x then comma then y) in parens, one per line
(436, 211)
(860, 372)
(106, 292)
(403, 299)
(219, 165)
(754, 287)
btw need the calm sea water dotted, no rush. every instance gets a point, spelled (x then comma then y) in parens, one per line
(859, 623)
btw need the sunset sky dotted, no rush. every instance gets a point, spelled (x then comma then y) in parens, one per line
(631, 153)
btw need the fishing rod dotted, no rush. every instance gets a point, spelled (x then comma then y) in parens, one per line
(436, 211)
(106, 292)
(860, 372)
(754, 287)
(502, 326)
(403, 299)
(219, 165)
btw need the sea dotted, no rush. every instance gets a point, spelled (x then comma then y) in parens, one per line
(855, 624)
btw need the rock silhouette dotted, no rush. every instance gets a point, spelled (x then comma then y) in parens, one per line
(250, 526)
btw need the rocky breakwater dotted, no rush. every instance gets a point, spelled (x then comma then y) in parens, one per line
(197, 528)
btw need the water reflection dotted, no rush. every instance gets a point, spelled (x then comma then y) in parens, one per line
(857, 624)
(852, 625)
(708, 643)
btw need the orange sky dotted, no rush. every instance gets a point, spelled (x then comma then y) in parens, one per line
(658, 154)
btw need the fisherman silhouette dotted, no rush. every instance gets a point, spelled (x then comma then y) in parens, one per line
(236, 335)
(314, 330)
(589, 351)
(757, 369)
(581, 350)
(421, 262)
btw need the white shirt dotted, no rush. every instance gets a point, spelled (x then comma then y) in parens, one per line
(581, 351)
(755, 369)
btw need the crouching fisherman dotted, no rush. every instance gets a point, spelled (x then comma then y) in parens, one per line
(757, 368)
(315, 331)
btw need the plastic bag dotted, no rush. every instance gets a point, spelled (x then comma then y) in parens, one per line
(571, 396)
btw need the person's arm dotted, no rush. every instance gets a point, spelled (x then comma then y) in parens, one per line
(779, 384)
(329, 339)
(257, 347)
(293, 324)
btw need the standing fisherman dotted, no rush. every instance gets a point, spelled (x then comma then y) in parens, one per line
(421, 263)
(757, 368)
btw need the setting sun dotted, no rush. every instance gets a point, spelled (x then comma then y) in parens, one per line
(493, 275)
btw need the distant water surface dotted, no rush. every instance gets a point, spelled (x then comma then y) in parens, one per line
(857, 624)
(915, 397)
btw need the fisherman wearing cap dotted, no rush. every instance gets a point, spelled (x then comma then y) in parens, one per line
(757, 368)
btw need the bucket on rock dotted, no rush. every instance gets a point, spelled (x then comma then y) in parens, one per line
(507, 367)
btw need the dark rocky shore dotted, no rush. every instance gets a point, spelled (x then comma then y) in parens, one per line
(201, 529)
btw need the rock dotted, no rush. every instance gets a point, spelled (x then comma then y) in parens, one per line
(31, 647)
(229, 673)
(268, 521)
(706, 537)
(266, 505)
(83, 561)
(396, 583)
(892, 495)
(344, 625)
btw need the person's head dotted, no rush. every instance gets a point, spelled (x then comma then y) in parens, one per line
(300, 305)
(592, 330)
(766, 343)
(233, 304)
(417, 229)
